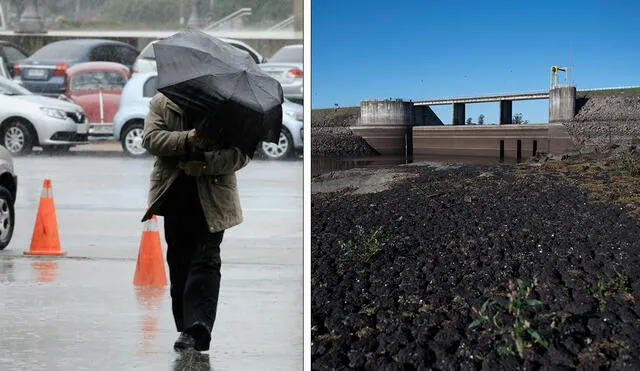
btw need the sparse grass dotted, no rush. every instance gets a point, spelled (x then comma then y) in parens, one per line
(516, 327)
(365, 244)
(604, 288)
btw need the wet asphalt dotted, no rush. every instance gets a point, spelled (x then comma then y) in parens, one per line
(82, 311)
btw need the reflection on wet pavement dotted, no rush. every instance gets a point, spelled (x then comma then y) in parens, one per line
(82, 311)
(192, 361)
(45, 270)
(149, 300)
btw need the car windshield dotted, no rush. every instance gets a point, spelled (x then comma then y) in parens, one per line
(98, 79)
(61, 51)
(8, 87)
(288, 55)
(148, 52)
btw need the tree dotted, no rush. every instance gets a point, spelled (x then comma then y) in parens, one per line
(469, 122)
(481, 119)
(517, 119)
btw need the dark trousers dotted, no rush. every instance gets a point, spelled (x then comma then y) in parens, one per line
(193, 255)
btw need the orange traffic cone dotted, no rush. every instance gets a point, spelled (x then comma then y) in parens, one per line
(150, 266)
(45, 240)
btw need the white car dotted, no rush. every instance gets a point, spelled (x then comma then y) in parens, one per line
(286, 67)
(28, 120)
(146, 61)
(128, 123)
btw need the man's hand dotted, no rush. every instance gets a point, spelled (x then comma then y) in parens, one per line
(192, 136)
(193, 168)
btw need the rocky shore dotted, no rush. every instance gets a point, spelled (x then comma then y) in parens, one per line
(331, 136)
(478, 267)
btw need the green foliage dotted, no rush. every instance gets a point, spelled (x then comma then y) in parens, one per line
(608, 287)
(481, 119)
(517, 327)
(364, 244)
(469, 121)
(629, 163)
(517, 119)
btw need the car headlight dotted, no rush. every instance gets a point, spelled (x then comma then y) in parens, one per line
(55, 113)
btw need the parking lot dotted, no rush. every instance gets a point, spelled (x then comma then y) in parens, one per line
(82, 311)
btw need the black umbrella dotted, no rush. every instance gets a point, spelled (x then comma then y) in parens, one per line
(205, 75)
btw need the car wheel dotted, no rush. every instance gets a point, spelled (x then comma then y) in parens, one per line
(17, 138)
(132, 140)
(7, 217)
(280, 150)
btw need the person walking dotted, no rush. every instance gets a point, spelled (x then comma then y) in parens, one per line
(193, 186)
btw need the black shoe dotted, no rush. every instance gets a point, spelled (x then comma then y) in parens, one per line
(200, 335)
(184, 342)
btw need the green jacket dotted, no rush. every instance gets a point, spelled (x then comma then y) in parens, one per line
(165, 138)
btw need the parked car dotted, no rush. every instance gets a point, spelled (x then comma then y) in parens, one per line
(128, 123)
(28, 120)
(286, 67)
(291, 135)
(3, 70)
(96, 87)
(146, 61)
(8, 192)
(11, 54)
(44, 71)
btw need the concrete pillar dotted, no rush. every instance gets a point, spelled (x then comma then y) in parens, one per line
(194, 18)
(298, 13)
(30, 20)
(562, 104)
(506, 112)
(458, 114)
(424, 116)
(419, 114)
(386, 126)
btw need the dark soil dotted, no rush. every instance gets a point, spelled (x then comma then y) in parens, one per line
(399, 276)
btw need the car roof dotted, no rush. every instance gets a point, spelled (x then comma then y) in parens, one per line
(227, 40)
(92, 66)
(90, 42)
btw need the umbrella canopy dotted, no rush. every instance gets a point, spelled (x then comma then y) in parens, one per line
(203, 74)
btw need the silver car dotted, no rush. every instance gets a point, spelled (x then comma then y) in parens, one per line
(28, 120)
(8, 191)
(286, 67)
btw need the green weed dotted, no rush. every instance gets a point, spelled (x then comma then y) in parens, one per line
(516, 326)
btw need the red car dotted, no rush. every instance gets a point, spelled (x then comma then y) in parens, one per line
(96, 87)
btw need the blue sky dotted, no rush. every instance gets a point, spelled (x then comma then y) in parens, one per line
(431, 49)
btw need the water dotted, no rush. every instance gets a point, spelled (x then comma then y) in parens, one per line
(322, 165)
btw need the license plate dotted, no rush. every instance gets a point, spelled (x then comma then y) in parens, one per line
(101, 129)
(36, 73)
(82, 128)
